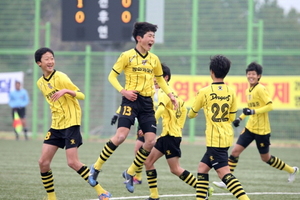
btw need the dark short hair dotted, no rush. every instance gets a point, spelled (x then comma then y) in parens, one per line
(220, 65)
(166, 71)
(40, 52)
(141, 28)
(255, 67)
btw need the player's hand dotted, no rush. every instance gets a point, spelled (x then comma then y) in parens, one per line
(236, 122)
(248, 111)
(114, 119)
(174, 101)
(58, 94)
(131, 95)
(140, 133)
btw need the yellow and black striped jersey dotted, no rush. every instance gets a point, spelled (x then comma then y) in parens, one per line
(258, 97)
(66, 111)
(219, 105)
(172, 120)
(139, 71)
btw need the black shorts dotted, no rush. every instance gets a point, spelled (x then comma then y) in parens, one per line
(64, 138)
(262, 141)
(169, 146)
(215, 157)
(21, 111)
(142, 109)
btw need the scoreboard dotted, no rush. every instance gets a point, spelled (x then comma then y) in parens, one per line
(98, 20)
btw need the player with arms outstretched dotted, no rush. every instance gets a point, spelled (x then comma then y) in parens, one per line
(219, 105)
(168, 143)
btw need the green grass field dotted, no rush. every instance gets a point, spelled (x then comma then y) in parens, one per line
(20, 176)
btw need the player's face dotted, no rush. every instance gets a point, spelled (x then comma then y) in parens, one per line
(253, 77)
(47, 63)
(146, 42)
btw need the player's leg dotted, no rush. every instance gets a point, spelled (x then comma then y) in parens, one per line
(202, 183)
(263, 146)
(73, 141)
(172, 151)
(146, 118)
(183, 174)
(108, 149)
(151, 172)
(242, 143)
(141, 155)
(83, 170)
(126, 120)
(137, 179)
(48, 152)
(219, 160)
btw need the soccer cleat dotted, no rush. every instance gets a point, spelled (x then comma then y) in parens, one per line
(209, 193)
(128, 181)
(292, 176)
(220, 185)
(136, 181)
(151, 198)
(92, 179)
(104, 196)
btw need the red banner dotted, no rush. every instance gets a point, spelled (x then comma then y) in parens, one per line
(284, 90)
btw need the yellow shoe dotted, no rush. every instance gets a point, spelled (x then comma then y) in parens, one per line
(210, 191)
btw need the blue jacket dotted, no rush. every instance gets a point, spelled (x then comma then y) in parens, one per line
(18, 98)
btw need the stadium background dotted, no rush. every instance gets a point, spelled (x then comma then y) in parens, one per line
(244, 31)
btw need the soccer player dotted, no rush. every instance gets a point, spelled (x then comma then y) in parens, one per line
(258, 126)
(18, 100)
(62, 95)
(168, 143)
(140, 67)
(219, 106)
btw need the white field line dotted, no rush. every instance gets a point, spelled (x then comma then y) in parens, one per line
(214, 194)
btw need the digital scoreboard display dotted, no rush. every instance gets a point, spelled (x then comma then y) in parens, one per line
(98, 20)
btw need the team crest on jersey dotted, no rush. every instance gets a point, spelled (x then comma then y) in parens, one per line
(220, 87)
(50, 86)
(144, 62)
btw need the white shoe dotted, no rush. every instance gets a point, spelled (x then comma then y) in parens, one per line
(292, 176)
(221, 185)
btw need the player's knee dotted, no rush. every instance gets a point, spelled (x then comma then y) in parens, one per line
(119, 139)
(265, 159)
(149, 144)
(72, 164)
(43, 163)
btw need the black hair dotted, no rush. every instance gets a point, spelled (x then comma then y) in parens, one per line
(40, 52)
(255, 67)
(141, 28)
(166, 71)
(220, 65)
